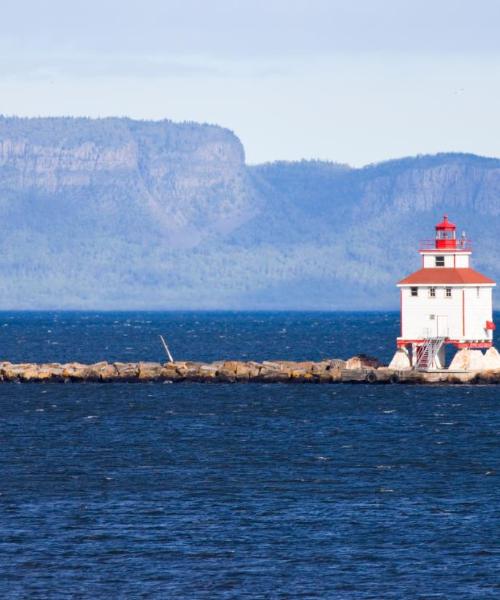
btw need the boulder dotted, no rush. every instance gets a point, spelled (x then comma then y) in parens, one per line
(126, 371)
(321, 367)
(337, 363)
(186, 369)
(230, 366)
(170, 373)
(207, 372)
(13, 372)
(149, 371)
(245, 371)
(52, 371)
(362, 361)
(29, 373)
(102, 371)
(273, 375)
(75, 371)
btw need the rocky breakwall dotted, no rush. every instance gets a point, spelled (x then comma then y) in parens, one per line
(220, 371)
(358, 369)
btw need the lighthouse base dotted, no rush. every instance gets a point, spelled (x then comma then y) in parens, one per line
(418, 355)
(401, 360)
(468, 359)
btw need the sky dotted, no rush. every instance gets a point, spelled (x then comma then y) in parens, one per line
(352, 81)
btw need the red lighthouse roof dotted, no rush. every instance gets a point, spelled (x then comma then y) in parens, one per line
(444, 276)
(445, 224)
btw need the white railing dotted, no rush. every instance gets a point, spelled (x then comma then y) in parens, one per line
(427, 352)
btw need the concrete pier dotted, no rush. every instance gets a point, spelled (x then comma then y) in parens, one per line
(355, 370)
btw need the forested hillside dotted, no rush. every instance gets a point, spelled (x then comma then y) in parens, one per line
(116, 213)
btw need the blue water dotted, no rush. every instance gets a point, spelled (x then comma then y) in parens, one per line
(241, 491)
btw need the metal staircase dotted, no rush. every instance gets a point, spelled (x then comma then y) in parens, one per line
(427, 352)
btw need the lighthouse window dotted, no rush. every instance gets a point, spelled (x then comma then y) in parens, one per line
(439, 261)
(448, 292)
(432, 292)
(414, 291)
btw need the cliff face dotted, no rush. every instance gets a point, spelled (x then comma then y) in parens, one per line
(115, 213)
(145, 177)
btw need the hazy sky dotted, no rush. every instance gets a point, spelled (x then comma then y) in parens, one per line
(354, 81)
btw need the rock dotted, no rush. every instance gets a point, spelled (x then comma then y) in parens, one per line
(208, 372)
(149, 371)
(273, 375)
(230, 366)
(337, 363)
(300, 374)
(126, 371)
(13, 372)
(362, 361)
(193, 370)
(102, 371)
(170, 373)
(75, 371)
(244, 372)
(401, 360)
(186, 368)
(321, 367)
(226, 375)
(53, 371)
(492, 359)
(29, 373)
(272, 365)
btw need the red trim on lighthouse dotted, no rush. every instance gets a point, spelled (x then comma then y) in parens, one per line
(446, 225)
(456, 343)
(445, 234)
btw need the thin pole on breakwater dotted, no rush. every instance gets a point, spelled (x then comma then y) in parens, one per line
(170, 357)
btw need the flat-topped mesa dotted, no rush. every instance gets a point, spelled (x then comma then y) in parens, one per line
(358, 369)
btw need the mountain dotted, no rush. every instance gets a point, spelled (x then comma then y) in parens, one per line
(117, 213)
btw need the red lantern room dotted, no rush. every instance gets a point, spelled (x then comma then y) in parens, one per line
(446, 238)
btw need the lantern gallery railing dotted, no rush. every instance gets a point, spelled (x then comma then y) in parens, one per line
(462, 245)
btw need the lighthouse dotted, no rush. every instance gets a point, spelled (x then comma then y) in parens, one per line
(445, 303)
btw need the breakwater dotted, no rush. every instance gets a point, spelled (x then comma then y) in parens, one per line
(357, 369)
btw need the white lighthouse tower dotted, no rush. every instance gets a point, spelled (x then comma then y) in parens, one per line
(446, 302)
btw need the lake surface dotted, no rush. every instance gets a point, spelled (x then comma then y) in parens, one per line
(246, 490)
